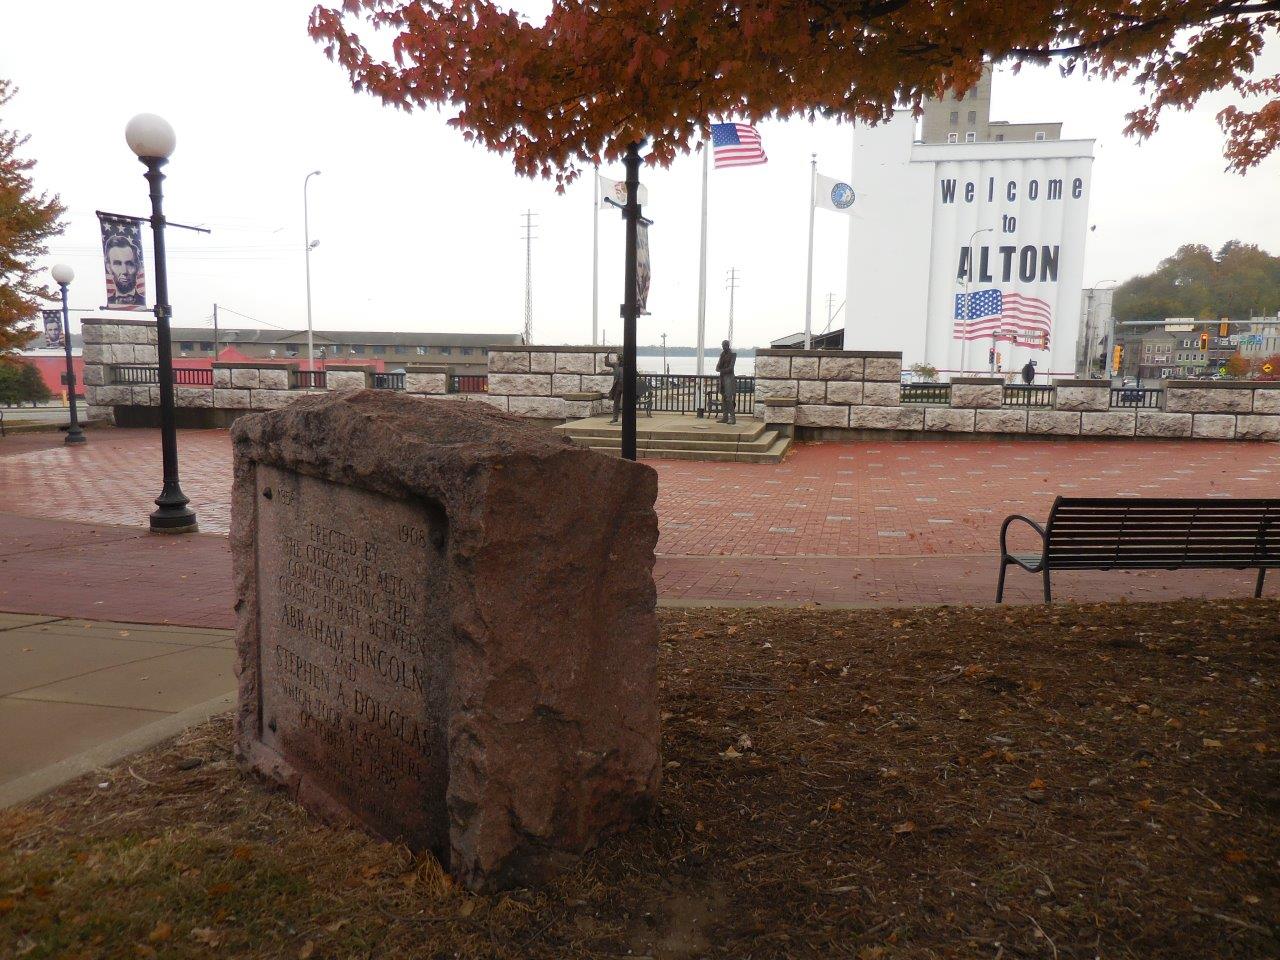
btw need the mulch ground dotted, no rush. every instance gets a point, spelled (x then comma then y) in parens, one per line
(1067, 782)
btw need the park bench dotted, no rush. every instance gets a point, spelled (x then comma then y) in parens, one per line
(1130, 533)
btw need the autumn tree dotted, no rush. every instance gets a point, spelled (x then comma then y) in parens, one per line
(598, 74)
(1238, 366)
(27, 221)
(1239, 281)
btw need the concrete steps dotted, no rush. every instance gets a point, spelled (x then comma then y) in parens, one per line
(684, 438)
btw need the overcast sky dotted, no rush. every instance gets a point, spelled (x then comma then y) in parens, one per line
(420, 231)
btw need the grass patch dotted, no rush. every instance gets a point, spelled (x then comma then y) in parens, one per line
(1030, 782)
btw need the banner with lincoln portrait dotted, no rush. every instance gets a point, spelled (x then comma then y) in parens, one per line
(122, 260)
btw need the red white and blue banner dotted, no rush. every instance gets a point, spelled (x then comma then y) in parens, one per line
(737, 145)
(122, 262)
(52, 320)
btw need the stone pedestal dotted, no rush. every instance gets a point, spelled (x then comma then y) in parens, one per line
(977, 393)
(446, 627)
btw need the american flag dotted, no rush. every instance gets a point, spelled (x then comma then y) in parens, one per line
(737, 145)
(1003, 316)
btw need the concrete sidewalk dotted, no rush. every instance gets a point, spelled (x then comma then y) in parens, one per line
(77, 694)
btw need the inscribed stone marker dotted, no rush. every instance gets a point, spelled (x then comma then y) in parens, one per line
(447, 628)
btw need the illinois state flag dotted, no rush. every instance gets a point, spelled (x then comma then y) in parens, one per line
(832, 194)
(613, 193)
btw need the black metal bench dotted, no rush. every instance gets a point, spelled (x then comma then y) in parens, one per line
(1157, 534)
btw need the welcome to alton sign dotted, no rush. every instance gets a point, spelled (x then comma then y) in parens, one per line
(909, 249)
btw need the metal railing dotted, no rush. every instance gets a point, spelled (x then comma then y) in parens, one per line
(939, 393)
(182, 376)
(307, 379)
(388, 381)
(689, 393)
(1027, 395)
(468, 383)
(1142, 397)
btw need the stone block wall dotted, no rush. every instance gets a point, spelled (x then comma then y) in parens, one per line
(552, 382)
(830, 388)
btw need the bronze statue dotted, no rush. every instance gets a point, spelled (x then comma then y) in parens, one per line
(728, 384)
(615, 391)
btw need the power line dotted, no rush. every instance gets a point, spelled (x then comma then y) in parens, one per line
(528, 276)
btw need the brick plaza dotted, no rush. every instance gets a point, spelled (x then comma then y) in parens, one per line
(871, 523)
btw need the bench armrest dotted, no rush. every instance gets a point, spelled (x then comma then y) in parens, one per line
(1004, 529)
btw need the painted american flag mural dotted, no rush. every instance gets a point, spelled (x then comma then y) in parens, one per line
(1012, 317)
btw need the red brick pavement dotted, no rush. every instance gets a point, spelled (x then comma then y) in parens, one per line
(866, 523)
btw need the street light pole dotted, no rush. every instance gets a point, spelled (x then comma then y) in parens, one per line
(306, 239)
(152, 139)
(630, 305)
(62, 276)
(964, 342)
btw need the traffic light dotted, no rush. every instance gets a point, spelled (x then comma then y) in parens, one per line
(991, 355)
(1117, 355)
(1224, 328)
(1204, 341)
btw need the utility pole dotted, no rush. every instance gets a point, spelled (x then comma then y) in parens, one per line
(528, 277)
(731, 284)
(665, 369)
(215, 331)
(831, 311)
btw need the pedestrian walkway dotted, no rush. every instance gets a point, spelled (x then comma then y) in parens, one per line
(72, 687)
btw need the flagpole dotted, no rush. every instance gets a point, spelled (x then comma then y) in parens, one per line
(808, 286)
(595, 260)
(702, 263)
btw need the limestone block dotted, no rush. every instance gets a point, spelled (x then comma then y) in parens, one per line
(1057, 422)
(1112, 423)
(542, 362)
(566, 383)
(504, 362)
(578, 409)
(272, 399)
(811, 391)
(546, 408)
(237, 399)
(94, 374)
(145, 354)
(844, 391)
(99, 414)
(886, 418)
(145, 394)
(94, 352)
(773, 368)
(431, 383)
(499, 403)
(273, 378)
(603, 355)
(512, 725)
(336, 379)
(1082, 398)
(841, 368)
(133, 333)
(1000, 421)
(975, 396)
(221, 378)
(771, 414)
(521, 384)
(90, 333)
(804, 368)
(246, 378)
(112, 396)
(1207, 400)
(951, 421)
(881, 394)
(1214, 426)
(1257, 427)
(1153, 423)
(780, 389)
(884, 369)
(575, 363)
(193, 396)
(1266, 401)
(820, 416)
(601, 384)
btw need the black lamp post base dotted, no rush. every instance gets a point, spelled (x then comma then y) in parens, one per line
(169, 520)
(75, 436)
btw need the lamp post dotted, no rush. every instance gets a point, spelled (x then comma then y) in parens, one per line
(964, 343)
(62, 276)
(152, 140)
(306, 237)
(630, 304)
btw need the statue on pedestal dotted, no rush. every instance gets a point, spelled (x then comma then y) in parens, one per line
(728, 384)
